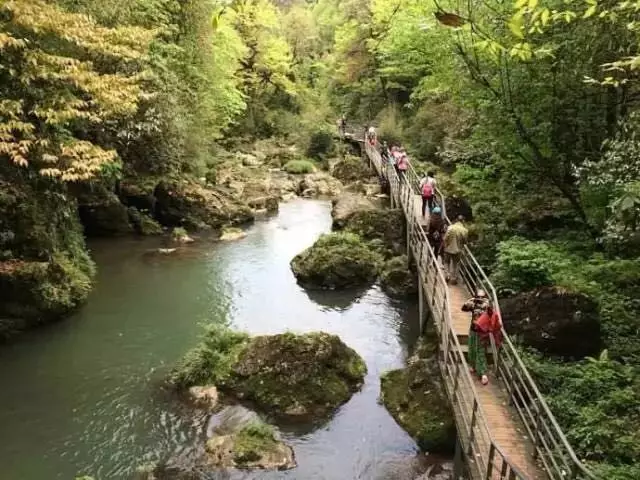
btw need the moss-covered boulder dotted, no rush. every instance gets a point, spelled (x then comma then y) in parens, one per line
(351, 169)
(337, 260)
(297, 375)
(397, 279)
(380, 224)
(416, 399)
(287, 375)
(190, 205)
(254, 446)
(45, 269)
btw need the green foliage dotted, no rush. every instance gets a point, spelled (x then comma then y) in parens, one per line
(597, 404)
(320, 144)
(211, 361)
(522, 265)
(299, 166)
(56, 86)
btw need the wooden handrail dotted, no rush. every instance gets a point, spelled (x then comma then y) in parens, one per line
(551, 446)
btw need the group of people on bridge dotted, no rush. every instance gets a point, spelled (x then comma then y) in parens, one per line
(448, 242)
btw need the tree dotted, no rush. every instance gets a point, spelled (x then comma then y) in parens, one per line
(60, 75)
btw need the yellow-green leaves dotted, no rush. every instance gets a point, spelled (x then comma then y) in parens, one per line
(53, 86)
(516, 25)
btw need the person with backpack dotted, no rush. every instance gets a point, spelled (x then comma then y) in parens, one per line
(428, 190)
(402, 164)
(436, 230)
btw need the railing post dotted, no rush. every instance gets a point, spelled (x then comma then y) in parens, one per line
(473, 424)
(421, 312)
(536, 429)
(492, 454)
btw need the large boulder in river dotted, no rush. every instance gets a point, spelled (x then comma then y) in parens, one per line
(347, 204)
(319, 184)
(555, 321)
(397, 279)
(291, 375)
(337, 260)
(286, 375)
(416, 399)
(190, 205)
(383, 225)
(351, 169)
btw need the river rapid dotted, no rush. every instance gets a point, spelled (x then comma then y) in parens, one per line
(85, 396)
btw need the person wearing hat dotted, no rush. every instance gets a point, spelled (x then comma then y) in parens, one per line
(436, 230)
(485, 325)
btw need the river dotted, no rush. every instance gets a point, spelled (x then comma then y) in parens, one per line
(85, 396)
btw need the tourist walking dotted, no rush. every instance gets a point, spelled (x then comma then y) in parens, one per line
(436, 231)
(454, 241)
(372, 136)
(486, 325)
(428, 190)
(402, 163)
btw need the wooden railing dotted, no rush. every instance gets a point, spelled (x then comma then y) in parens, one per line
(485, 458)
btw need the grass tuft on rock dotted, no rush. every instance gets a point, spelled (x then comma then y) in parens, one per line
(298, 167)
(210, 362)
(253, 440)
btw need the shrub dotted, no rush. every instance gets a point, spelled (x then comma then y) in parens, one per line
(320, 144)
(299, 167)
(523, 265)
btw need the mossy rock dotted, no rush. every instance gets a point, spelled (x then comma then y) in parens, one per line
(285, 375)
(380, 224)
(337, 260)
(37, 292)
(347, 204)
(416, 399)
(101, 212)
(397, 279)
(190, 205)
(143, 224)
(45, 269)
(297, 375)
(351, 169)
(298, 167)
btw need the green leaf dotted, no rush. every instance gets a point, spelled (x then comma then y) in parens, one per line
(544, 17)
(516, 26)
(533, 4)
(590, 11)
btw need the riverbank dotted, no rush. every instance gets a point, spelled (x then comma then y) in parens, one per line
(50, 274)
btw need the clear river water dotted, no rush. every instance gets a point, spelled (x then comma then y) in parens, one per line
(85, 396)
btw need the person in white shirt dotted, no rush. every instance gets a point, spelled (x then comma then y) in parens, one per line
(428, 191)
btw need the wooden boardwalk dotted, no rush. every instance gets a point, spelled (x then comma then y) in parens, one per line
(495, 443)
